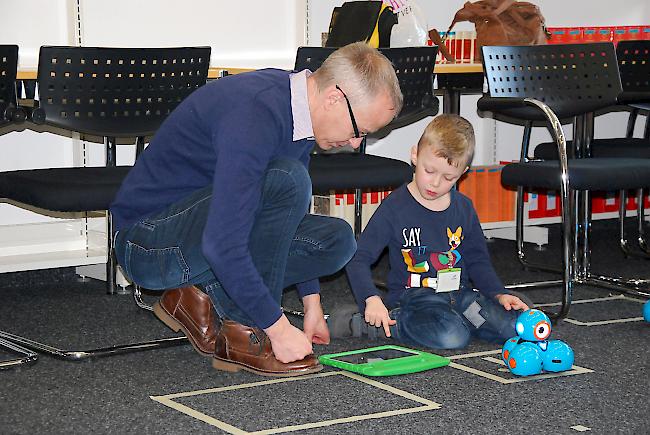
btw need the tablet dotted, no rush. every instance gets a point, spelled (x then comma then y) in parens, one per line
(388, 360)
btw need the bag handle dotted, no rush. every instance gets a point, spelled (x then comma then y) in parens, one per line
(479, 9)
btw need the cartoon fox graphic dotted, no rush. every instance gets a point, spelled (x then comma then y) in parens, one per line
(448, 259)
(455, 237)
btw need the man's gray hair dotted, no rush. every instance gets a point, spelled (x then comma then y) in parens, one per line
(362, 72)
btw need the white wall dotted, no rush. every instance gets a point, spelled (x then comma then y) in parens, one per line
(244, 34)
(32, 23)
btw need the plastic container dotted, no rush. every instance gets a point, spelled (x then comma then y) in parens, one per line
(411, 27)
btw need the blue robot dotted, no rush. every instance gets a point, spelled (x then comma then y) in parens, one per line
(530, 353)
(646, 311)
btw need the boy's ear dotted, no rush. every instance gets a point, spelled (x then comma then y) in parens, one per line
(414, 155)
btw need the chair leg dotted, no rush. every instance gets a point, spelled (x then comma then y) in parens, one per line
(640, 219)
(78, 355)
(111, 265)
(623, 242)
(28, 357)
(357, 212)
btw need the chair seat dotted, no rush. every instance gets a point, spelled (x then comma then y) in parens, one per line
(609, 147)
(64, 189)
(346, 171)
(602, 174)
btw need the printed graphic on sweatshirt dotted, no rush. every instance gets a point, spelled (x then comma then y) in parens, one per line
(422, 264)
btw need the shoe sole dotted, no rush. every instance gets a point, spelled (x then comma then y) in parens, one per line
(176, 326)
(228, 366)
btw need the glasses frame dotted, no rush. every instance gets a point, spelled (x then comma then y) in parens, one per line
(355, 128)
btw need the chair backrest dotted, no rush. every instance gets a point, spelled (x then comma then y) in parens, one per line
(414, 69)
(8, 68)
(634, 65)
(116, 92)
(572, 79)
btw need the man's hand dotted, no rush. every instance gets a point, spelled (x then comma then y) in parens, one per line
(511, 302)
(377, 314)
(315, 326)
(288, 342)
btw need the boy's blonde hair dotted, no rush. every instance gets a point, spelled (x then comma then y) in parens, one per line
(452, 137)
(363, 72)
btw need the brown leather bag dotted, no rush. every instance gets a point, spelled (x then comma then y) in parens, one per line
(503, 22)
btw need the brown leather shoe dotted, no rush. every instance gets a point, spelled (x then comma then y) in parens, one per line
(240, 347)
(188, 309)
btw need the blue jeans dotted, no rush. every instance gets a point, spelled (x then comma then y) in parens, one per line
(287, 245)
(449, 320)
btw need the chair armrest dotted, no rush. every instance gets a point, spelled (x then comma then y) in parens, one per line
(491, 104)
(634, 97)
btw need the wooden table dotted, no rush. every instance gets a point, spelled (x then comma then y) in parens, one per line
(451, 90)
(215, 72)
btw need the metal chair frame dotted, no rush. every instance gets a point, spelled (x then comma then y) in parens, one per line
(112, 92)
(506, 97)
(634, 68)
(11, 113)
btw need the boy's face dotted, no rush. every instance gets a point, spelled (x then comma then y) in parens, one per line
(434, 177)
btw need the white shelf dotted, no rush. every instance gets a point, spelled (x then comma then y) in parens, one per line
(48, 260)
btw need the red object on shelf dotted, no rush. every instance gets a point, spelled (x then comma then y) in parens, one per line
(558, 35)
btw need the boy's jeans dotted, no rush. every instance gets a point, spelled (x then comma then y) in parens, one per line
(287, 246)
(449, 320)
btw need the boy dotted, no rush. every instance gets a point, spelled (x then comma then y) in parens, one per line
(437, 252)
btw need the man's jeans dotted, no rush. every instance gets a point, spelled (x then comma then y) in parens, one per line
(449, 320)
(287, 246)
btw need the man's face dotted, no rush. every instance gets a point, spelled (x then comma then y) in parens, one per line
(335, 128)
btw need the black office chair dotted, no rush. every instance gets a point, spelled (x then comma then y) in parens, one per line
(634, 68)
(11, 113)
(359, 171)
(547, 84)
(112, 93)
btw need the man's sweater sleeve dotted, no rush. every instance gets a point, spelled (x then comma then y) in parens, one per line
(374, 238)
(250, 136)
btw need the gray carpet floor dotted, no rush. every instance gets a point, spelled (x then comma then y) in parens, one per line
(606, 393)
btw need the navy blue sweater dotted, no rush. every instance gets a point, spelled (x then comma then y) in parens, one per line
(224, 134)
(423, 241)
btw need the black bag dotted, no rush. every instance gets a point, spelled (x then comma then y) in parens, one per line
(369, 21)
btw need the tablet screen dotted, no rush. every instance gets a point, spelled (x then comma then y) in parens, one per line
(373, 356)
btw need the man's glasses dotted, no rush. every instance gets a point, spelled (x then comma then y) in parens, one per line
(354, 121)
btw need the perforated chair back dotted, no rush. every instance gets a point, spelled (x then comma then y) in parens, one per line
(634, 65)
(414, 69)
(8, 68)
(572, 79)
(116, 92)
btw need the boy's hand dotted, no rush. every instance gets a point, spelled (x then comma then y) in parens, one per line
(377, 314)
(511, 302)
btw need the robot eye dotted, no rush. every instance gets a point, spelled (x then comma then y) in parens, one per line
(542, 330)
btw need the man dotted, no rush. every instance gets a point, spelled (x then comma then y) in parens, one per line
(215, 209)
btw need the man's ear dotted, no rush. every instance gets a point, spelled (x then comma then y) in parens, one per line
(414, 155)
(332, 96)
